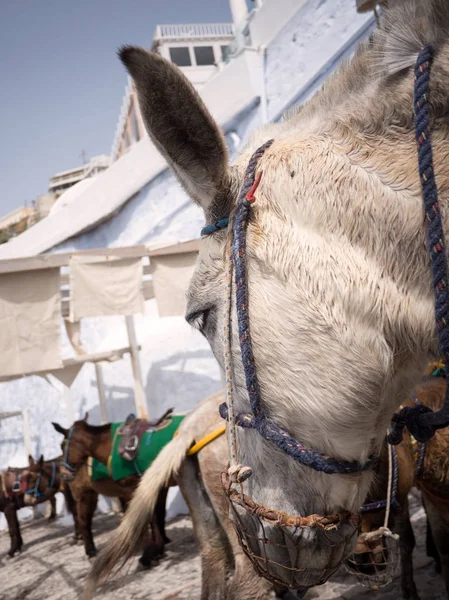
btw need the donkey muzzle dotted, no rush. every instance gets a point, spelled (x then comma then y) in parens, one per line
(16, 487)
(291, 551)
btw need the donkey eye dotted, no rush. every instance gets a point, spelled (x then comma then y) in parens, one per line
(197, 319)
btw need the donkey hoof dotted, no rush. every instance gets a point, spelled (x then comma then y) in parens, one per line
(91, 554)
(167, 540)
(73, 540)
(411, 595)
(145, 564)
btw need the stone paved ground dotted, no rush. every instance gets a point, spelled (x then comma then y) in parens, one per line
(50, 568)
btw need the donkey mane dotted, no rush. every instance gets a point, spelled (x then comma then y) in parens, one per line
(365, 90)
(405, 29)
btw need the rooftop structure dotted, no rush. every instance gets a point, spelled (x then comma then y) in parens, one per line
(15, 217)
(43, 205)
(199, 50)
(62, 181)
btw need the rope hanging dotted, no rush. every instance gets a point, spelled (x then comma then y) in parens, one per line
(392, 489)
(420, 420)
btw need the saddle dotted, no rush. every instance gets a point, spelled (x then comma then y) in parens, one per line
(133, 430)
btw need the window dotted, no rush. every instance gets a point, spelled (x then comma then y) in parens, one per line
(180, 56)
(204, 55)
(225, 53)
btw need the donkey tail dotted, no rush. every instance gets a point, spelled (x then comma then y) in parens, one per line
(131, 531)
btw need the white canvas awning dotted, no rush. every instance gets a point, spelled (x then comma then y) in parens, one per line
(99, 287)
(30, 321)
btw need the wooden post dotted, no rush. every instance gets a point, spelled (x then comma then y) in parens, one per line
(139, 392)
(26, 431)
(101, 393)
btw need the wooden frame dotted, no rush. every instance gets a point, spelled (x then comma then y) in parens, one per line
(50, 261)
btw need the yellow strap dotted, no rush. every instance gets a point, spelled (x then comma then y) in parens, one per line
(206, 440)
(89, 466)
(434, 366)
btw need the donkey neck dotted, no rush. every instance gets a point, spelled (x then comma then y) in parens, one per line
(99, 442)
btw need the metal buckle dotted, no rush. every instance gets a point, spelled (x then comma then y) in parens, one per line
(133, 443)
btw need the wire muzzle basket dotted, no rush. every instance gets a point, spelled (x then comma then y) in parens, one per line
(290, 551)
(375, 560)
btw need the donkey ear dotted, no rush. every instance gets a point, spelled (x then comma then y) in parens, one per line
(41, 461)
(30, 460)
(60, 429)
(178, 123)
(86, 416)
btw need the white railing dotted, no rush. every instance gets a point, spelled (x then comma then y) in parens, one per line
(122, 120)
(205, 30)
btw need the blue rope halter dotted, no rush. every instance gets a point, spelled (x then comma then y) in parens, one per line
(258, 420)
(53, 473)
(214, 227)
(421, 421)
(35, 491)
(65, 462)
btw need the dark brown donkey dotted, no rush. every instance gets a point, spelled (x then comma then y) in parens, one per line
(51, 467)
(432, 478)
(19, 488)
(81, 442)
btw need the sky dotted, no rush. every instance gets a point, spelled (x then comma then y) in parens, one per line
(61, 83)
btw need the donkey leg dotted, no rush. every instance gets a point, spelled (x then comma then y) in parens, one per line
(154, 548)
(160, 513)
(52, 515)
(210, 537)
(431, 549)
(14, 529)
(85, 511)
(123, 503)
(439, 525)
(403, 527)
(245, 582)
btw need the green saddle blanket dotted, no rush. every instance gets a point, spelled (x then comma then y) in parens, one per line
(151, 444)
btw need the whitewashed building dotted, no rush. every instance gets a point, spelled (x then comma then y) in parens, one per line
(269, 59)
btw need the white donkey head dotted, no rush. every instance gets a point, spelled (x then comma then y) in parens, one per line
(340, 301)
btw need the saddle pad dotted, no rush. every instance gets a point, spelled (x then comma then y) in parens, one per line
(151, 444)
(97, 470)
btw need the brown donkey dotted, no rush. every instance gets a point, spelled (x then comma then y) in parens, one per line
(432, 478)
(51, 467)
(81, 442)
(19, 488)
